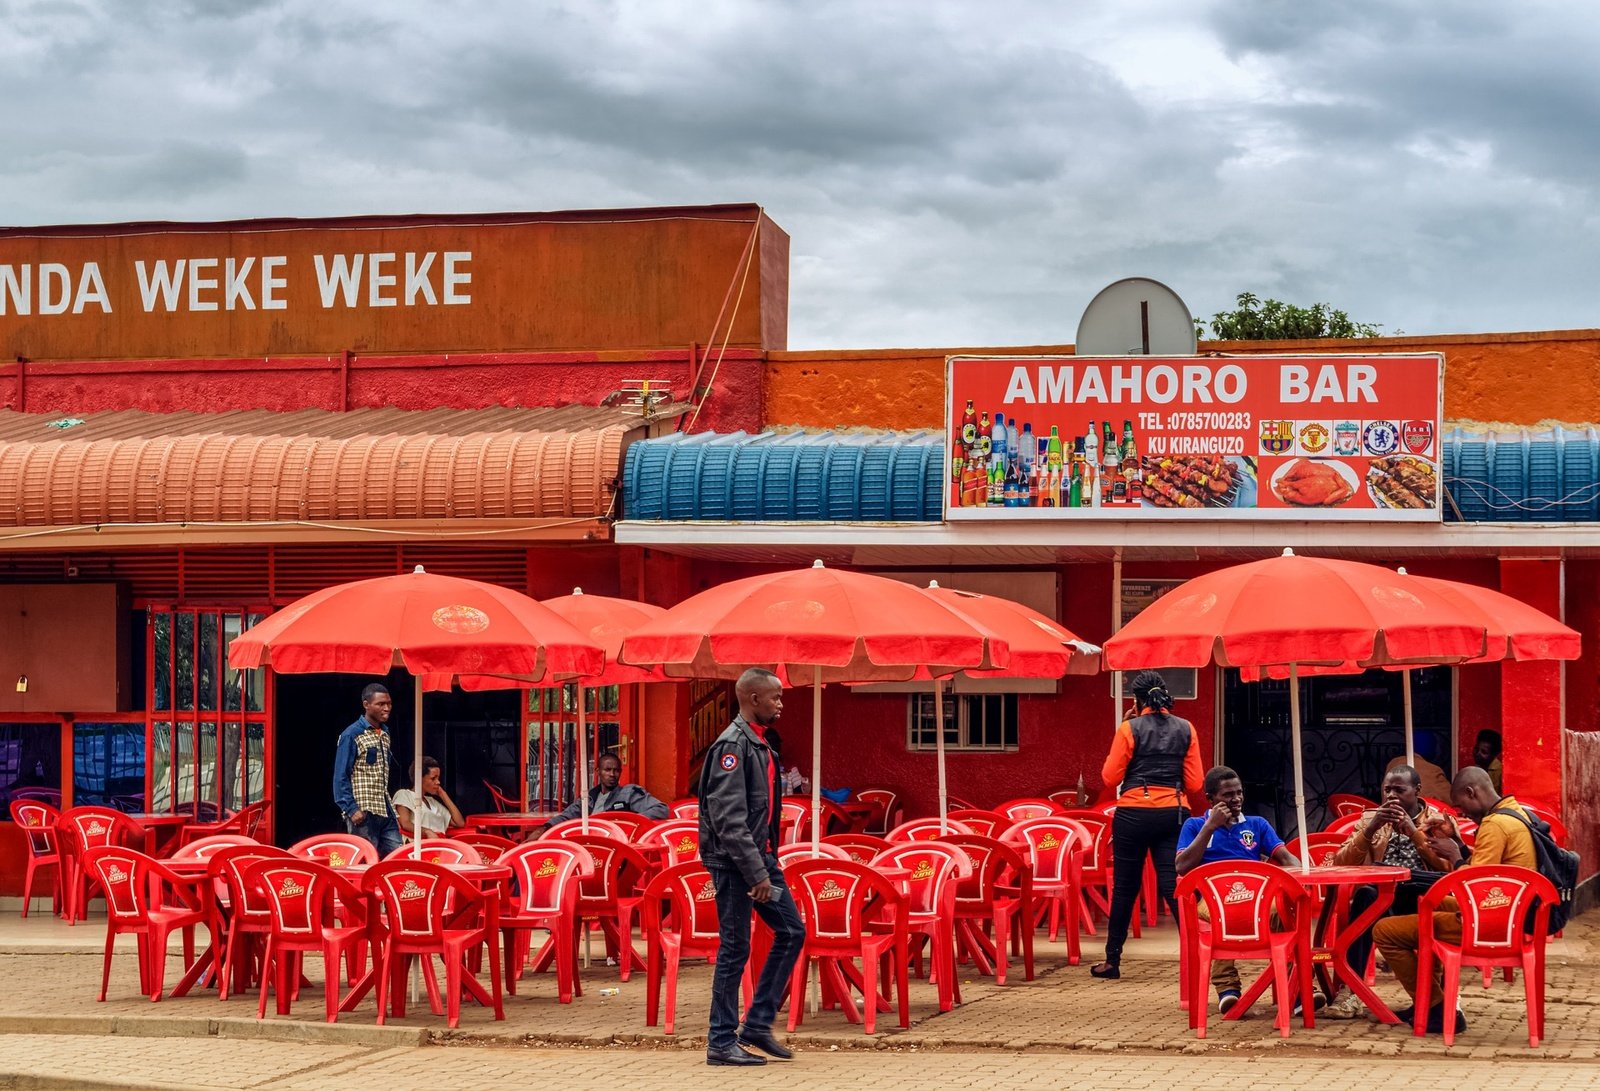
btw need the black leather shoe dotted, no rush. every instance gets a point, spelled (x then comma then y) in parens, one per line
(1436, 1021)
(763, 1040)
(734, 1056)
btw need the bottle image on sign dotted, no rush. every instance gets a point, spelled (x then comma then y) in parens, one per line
(1130, 454)
(997, 484)
(998, 438)
(1075, 490)
(984, 439)
(1053, 450)
(969, 426)
(1026, 447)
(958, 462)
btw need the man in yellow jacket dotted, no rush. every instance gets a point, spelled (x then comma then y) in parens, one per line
(1501, 839)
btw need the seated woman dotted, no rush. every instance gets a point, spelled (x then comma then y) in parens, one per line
(437, 811)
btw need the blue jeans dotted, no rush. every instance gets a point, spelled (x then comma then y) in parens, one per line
(788, 936)
(381, 829)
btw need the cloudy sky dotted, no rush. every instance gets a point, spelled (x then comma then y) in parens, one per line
(951, 173)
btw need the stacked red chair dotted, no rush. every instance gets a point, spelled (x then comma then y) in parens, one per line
(143, 899)
(995, 899)
(80, 829)
(429, 910)
(833, 897)
(313, 908)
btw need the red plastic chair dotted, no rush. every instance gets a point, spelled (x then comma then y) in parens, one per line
(205, 848)
(312, 908)
(90, 828)
(610, 897)
(633, 825)
(501, 802)
(490, 846)
(1066, 798)
(861, 847)
(546, 874)
(1344, 824)
(925, 829)
(1239, 897)
(834, 898)
(983, 899)
(336, 850)
(1016, 810)
(240, 915)
(929, 914)
(688, 807)
(1054, 847)
(982, 823)
(956, 803)
(37, 820)
(688, 929)
(886, 810)
(598, 827)
(801, 850)
(229, 823)
(678, 838)
(1494, 904)
(792, 818)
(1318, 848)
(429, 910)
(1346, 803)
(1558, 829)
(1096, 874)
(437, 850)
(146, 899)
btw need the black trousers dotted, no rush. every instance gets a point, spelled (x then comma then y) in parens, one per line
(1135, 833)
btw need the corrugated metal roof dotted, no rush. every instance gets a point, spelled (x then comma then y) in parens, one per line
(310, 466)
(787, 476)
(1522, 476)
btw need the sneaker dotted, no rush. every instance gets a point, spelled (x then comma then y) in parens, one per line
(1347, 1006)
(1226, 1000)
(1317, 1002)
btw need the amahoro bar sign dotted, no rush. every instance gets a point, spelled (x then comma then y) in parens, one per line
(1325, 437)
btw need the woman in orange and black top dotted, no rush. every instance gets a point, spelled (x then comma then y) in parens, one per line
(1154, 765)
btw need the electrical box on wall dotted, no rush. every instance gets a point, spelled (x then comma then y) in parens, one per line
(65, 647)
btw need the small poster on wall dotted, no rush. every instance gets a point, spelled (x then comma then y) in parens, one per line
(1182, 682)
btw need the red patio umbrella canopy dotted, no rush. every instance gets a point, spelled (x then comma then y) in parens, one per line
(1307, 610)
(434, 626)
(605, 621)
(814, 624)
(1037, 646)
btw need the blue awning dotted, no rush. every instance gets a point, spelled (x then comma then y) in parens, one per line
(787, 476)
(1548, 476)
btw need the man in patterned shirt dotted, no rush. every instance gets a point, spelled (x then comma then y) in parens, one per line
(361, 773)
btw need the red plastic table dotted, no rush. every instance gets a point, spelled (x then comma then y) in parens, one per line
(154, 824)
(514, 823)
(1329, 954)
(193, 870)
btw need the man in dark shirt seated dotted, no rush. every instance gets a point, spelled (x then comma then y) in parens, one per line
(608, 795)
(1227, 833)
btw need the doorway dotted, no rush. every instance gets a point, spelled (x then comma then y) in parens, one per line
(474, 736)
(1351, 727)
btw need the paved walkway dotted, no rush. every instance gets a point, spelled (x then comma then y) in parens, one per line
(1062, 1026)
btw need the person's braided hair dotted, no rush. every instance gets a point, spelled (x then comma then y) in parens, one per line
(1150, 690)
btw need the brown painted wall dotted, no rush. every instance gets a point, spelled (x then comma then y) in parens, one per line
(71, 641)
(1515, 378)
(624, 279)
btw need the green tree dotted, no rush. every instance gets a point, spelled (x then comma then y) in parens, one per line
(1271, 320)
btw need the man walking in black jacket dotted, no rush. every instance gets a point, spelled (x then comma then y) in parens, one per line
(739, 812)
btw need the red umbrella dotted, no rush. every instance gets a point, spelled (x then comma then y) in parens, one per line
(1514, 630)
(810, 626)
(1290, 611)
(1039, 648)
(605, 621)
(438, 627)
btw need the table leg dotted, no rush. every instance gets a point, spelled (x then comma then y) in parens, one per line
(1353, 979)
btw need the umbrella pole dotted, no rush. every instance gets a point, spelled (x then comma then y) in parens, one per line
(816, 762)
(938, 736)
(1405, 688)
(583, 762)
(416, 768)
(1299, 771)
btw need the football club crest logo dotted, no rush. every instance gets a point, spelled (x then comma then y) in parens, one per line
(1247, 838)
(1417, 436)
(1277, 437)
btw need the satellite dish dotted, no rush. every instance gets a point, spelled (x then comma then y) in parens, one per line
(1136, 316)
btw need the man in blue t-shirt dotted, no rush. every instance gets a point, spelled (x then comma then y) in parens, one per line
(1227, 833)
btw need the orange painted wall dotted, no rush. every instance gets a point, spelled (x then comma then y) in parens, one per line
(1514, 378)
(590, 281)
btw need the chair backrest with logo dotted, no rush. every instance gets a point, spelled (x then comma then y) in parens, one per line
(38, 821)
(1097, 849)
(832, 897)
(993, 863)
(417, 896)
(207, 847)
(1026, 807)
(983, 823)
(633, 825)
(124, 875)
(490, 846)
(688, 807)
(678, 837)
(99, 827)
(861, 847)
(226, 867)
(1317, 848)
(300, 894)
(1343, 803)
(619, 869)
(691, 901)
(337, 850)
(1503, 908)
(1344, 824)
(934, 867)
(926, 829)
(598, 827)
(437, 850)
(1239, 897)
(1050, 844)
(547, 873)
(802, 850)
(885, 803)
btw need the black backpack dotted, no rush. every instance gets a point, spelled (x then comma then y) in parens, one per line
(1557, 864)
